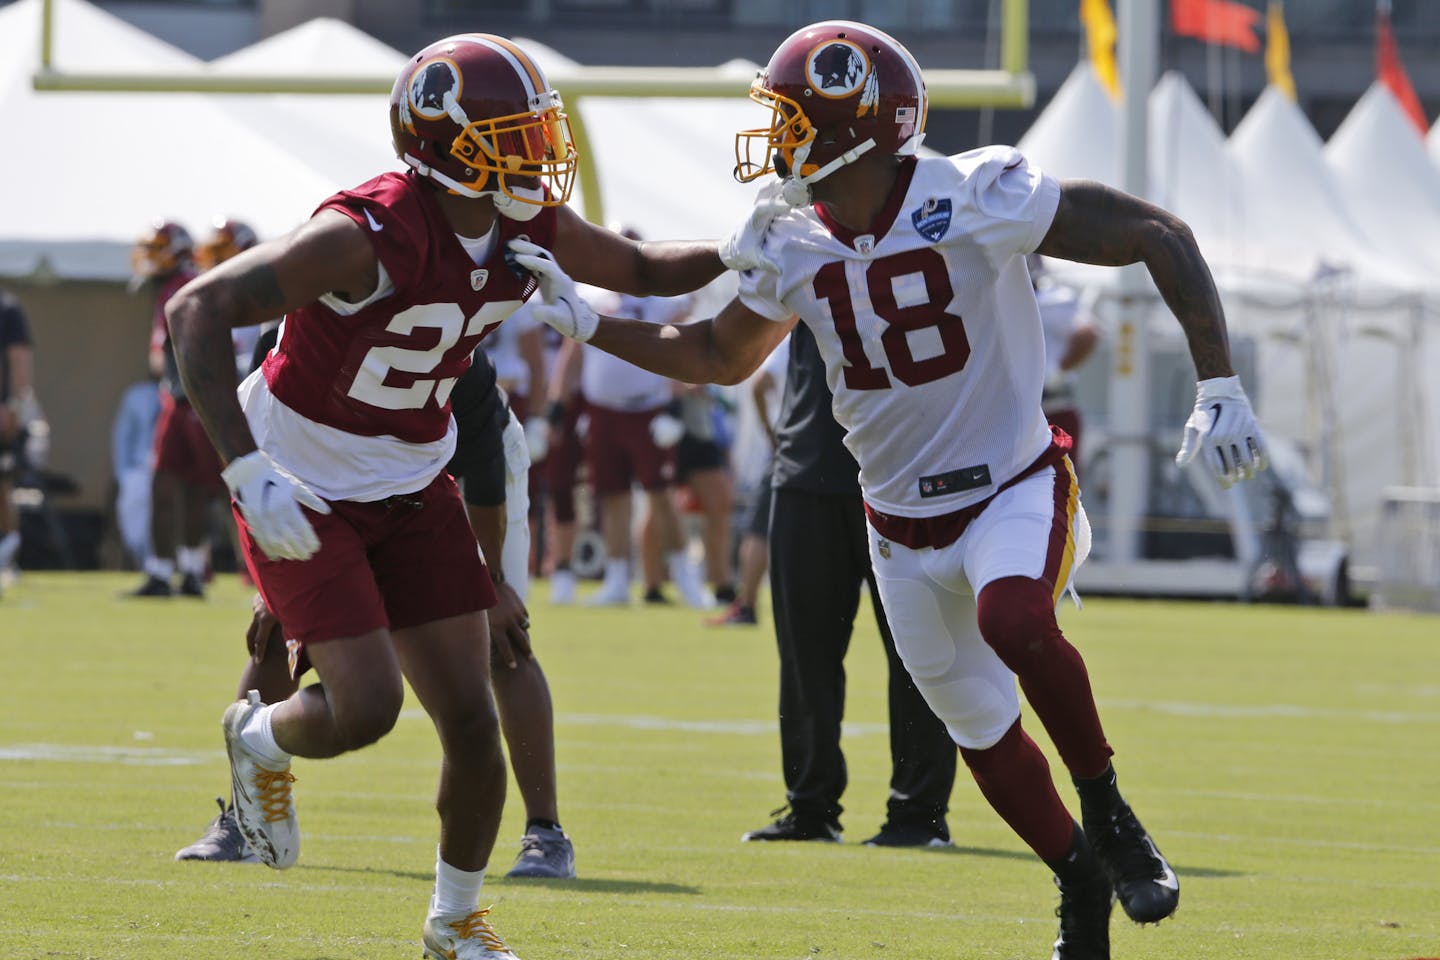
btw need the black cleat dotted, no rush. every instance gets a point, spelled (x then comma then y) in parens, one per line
(152, 587)
(222, 841)
(1084, 914)
(793, 825)
(1145, 885)
(911, 834)
(192, 586)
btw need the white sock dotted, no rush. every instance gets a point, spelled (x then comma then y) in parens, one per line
(160, 568)
(258, 736)
(191, 560)
(9, 546)
(457, 892)
(617, 574)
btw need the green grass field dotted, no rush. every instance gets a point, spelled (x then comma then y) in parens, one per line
(1288, 761)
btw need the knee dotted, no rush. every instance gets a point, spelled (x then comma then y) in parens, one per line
(364, 719)
(1016, 616)
(470, 734)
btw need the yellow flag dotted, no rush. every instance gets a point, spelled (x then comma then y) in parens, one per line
(1100, 38)
(1277, 50)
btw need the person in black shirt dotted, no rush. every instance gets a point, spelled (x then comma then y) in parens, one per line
(818, 559)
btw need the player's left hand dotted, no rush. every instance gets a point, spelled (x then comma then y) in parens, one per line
(562, 308)
(1222, 429)
(745, 248)
(270, 500)
(263, 624)
(509, 628)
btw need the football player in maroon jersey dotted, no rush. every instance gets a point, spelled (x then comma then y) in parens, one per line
(335, 448)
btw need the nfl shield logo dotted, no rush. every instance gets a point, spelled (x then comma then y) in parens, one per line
(932, 220)
(478, 278)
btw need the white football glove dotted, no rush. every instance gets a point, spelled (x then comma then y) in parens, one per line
(270, 500)
(537, 438)
(745, 248)
(561, 307)
(666, 430)
(1223, 428)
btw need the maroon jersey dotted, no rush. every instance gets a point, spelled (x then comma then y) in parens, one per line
(387, 367)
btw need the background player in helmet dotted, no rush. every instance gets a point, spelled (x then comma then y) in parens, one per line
(228, 237)
(186, 473)
(910, 273)
(336, 446)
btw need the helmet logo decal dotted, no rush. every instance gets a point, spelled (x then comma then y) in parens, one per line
(433, 88)
(837, 68)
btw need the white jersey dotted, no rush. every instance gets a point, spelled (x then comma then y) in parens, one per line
(927, 325)
(605, 379)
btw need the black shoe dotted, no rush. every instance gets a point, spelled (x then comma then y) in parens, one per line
(910, 834)
(1144, 883)
(793, 825)
(222, 841)
(1084, 914)
(655, 597)
(152, 587)
(725, 594)
(192, 586)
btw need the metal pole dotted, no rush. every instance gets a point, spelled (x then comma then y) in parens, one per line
(1139, 35)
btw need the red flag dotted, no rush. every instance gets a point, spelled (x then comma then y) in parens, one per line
(1392, 73)
(1216, 21)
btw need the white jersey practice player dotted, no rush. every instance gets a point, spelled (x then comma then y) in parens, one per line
(911, 274)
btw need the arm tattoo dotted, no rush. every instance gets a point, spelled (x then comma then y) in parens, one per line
(1100, 225)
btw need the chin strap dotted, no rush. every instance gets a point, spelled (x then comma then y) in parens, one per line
(796, 190)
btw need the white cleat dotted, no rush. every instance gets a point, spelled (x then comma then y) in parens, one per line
(464, 938)
(260, 793)
(562, 588)
(687, 581)
(609, 595)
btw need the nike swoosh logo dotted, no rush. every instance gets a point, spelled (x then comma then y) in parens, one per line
(265, 491)
(1215, 408)
(1167, 879)
(373, 225)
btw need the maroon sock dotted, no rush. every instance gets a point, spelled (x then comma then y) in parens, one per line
(1015, 779)
(1017, 620)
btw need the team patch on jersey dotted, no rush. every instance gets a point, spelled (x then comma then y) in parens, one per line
(932, 220)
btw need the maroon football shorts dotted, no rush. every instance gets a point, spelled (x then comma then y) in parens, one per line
(620, 452)
(396, 563)
(182, 448)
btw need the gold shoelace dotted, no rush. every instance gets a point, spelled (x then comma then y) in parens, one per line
(476, 927)
(273, 789)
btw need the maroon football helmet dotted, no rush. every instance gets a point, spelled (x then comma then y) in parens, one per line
(227, 238)
(475, 113)
(835, 89)
(161, 250)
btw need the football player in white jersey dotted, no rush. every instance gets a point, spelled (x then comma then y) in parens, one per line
(911, 274)
(335, 447)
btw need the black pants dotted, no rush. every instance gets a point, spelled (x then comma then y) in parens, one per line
(818, 560)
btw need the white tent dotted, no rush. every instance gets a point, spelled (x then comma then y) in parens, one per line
(1077, 135)
(96, 168)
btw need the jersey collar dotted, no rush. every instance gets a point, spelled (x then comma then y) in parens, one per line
(884, 220)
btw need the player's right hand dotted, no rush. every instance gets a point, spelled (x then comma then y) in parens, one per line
(562, 307)
(270, 500)
(745, 248)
